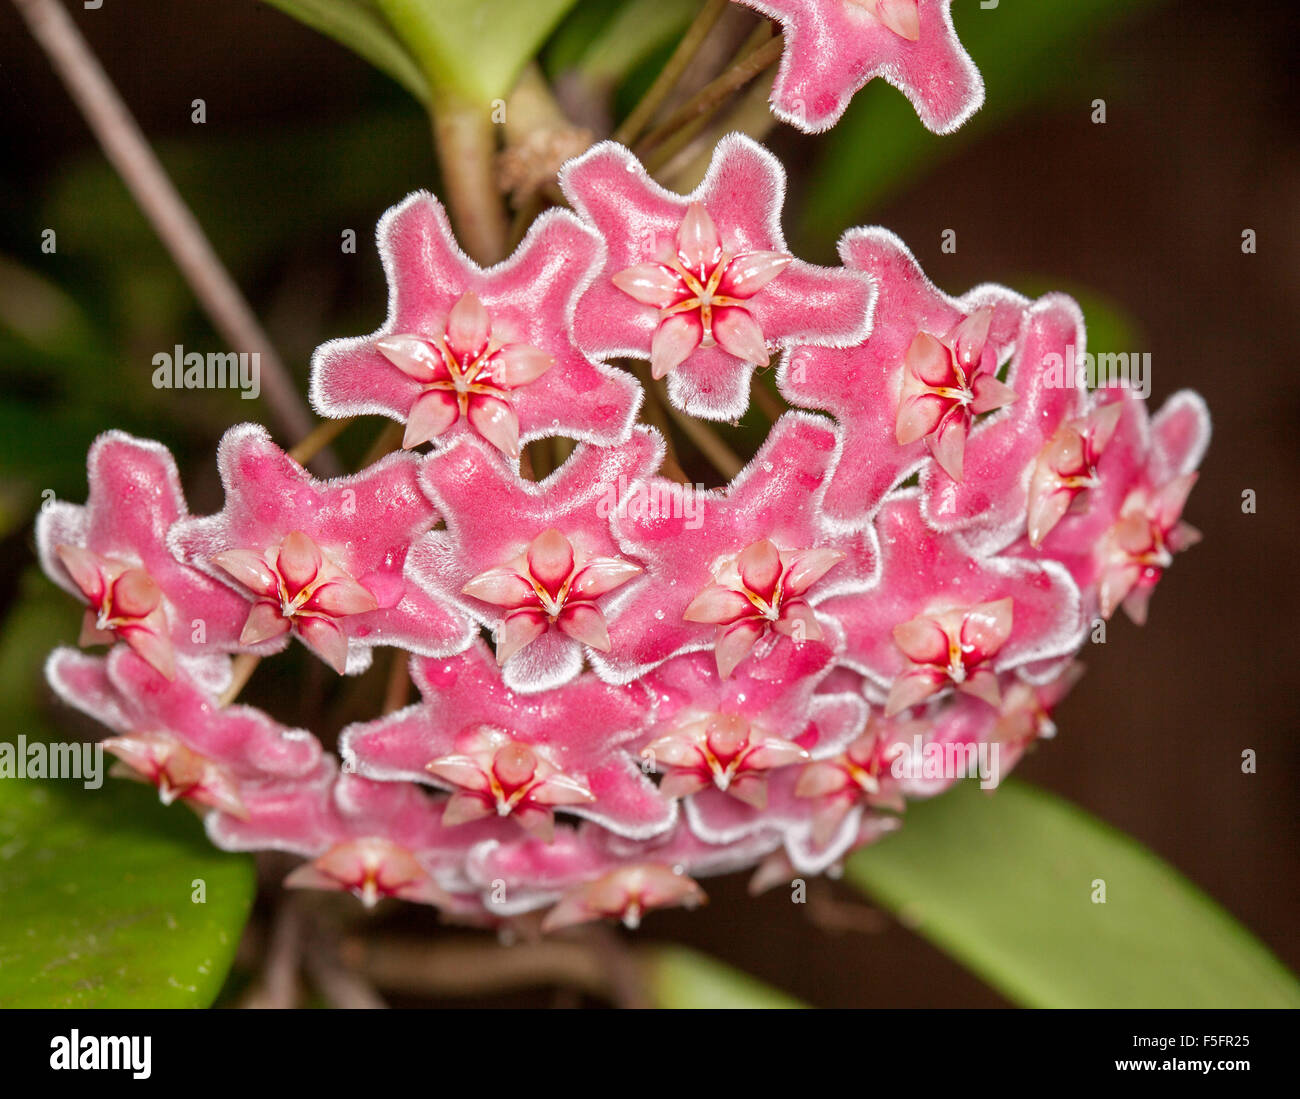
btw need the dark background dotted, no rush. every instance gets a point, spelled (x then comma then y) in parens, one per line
(1144, 213)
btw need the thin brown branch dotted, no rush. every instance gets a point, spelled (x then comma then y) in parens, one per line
(339, 986)
(709, 98)
(477, 967)
(640, 115)
(129, 152)
(709, 442)
(318, 439)
(241, 671)
(279, 985)
(398, 691)
(768, 402)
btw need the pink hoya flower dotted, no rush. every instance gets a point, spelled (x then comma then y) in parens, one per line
(776, 664)
(541, 580)
(580, 878)
(113, 554)
(990, 501)
(702, 285)
(172, 733)
(371, 839)
(833, 48)
(1026, 714)
(908, 396)
(517, 757)
(322, 560)
(728, 735)
(586, 874)
(741, 571)
(846, 794)
(1119, 535)
(1066, 467)
(471, 351)
(941, 618)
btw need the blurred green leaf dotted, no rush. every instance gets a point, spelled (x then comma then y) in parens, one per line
(98, 908)
(682, 978)
(607, 41)
(473, 48)
(42, 617)
(96, 885)
(359, 26)
(1022, 49)
(1004, 884)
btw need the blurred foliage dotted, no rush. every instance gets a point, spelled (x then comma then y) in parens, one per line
(606, 40)
(1000, 883)
(360, 26)
(682, 978)
(473, 49)
(1005, 884)
(1023, 50)
(97, 884)
(99, 892)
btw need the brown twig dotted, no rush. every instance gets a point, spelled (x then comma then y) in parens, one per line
(318, 439)
(709, 442)
(709, 98)
(682, 170)
(279, 986)
(398, 690)
(338, 985)
(772, 406)
(241, 671)
(129, 152)
(640, 115)
(476, 967)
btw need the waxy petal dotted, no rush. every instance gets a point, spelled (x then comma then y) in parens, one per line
(519, 364)
(497, 422)
(415, 357)
(738, 334)
(518, 629)
(550, 560)
(468, 328)
(697, 240)
(650, 284)
(674, 340)
(585, 624)
(747, 274)
(299, 561)
(432, 414)
(760, 568)
(251, 570)
(501, 586)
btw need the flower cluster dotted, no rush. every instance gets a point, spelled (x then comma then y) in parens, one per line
(620, 693)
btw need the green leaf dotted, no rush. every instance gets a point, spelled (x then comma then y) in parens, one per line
(1023, 51)
(1005, 885)
(97, 909)
(96, 886)
(635, 31)
(358, 26)
(475, 49)
(681, 978)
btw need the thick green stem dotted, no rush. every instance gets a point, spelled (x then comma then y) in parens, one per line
(465, 137)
